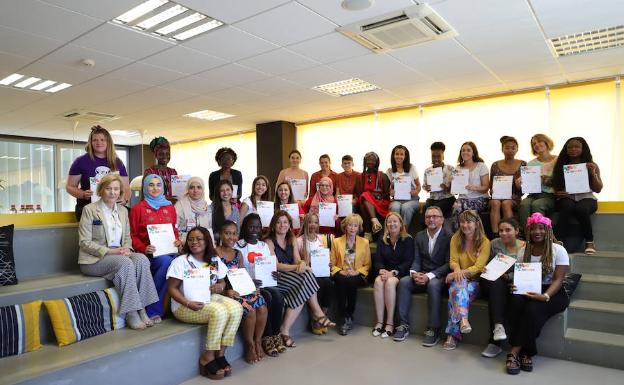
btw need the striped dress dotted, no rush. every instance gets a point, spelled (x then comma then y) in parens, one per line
(296, 288)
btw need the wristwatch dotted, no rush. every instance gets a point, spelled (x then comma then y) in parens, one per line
(547, 297)
(395, 273)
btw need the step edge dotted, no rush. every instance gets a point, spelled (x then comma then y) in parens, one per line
(612, 338)
(588, 304)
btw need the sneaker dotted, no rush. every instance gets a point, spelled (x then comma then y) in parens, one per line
(346, 326)
(491, 351)
(431, 338)
(499, 333)
(401, 333)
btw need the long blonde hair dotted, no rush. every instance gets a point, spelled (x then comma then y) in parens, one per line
(305, 232)
(386, 235)
(111, 155)
(547, 256)
(479, 235)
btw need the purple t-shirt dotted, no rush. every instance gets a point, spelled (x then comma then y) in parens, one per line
(96, 167)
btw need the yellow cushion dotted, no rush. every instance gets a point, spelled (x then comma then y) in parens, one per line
(19, 328)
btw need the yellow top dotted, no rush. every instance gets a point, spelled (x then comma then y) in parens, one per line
(467, 260)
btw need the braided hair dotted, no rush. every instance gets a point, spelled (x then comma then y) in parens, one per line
(158, 142)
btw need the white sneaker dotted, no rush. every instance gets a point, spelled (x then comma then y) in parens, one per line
(499, 332)
(491, 351)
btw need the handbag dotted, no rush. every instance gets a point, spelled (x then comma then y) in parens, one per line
(570, 282)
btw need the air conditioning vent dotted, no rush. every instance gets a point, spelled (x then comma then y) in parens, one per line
(89, 116)
(394, 30)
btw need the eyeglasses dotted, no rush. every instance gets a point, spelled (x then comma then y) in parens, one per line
(195, 239)
(433, 216)
(323, 185)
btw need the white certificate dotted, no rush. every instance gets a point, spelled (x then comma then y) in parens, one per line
(528, 278)
(265, 209)
(263, 267)
(161, 236)
(576, 178)
(319, 261)
(196, 286)
(293, 210)
(402, 188)
(234, 191)
(460, 181)
(178, 185)
(501, 186)
(327, 211)
(298, 187)
(93, 187)
(434, 177)
(241, 281)
(498, 266)
(531, 179)
(345, 205)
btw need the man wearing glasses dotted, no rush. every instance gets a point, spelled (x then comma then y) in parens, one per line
(427, 274)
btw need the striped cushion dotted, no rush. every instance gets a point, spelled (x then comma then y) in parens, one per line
(19, 328)
(84, 316)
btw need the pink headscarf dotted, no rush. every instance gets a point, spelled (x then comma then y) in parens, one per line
(318, 197)
(540, 219)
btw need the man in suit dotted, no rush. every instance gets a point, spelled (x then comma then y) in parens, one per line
(427, 274)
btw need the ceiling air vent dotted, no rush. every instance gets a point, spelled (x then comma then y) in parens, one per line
(589, 41)
(394, 30)
(88, 116)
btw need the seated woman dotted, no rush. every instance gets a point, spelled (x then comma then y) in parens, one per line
(529, 312)
(324, 194)
(439, 196)
(350, 265)
(578, 205)
(192, 210)
(294, 173)
(222, 207)
(478, 183)
(254, 305)
(106, 251)
(162, 151)
(510, 166)
(403, 169)
(226, 157)
(260, 191)
(295, 278)
(200, 265)
(497, 292)
(251, 247)
(154, 209)
(392, 261)
(284, 196)
(544, 202)
(469, 250)
(374, 193)
(307, 244)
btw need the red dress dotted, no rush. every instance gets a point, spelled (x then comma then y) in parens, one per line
(370, 187)
(142, 215)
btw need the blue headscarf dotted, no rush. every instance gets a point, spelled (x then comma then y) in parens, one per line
(158, 201)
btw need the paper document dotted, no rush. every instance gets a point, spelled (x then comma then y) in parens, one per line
(319, 261)
(501, 186)
(327, 211)
(402, 188)
(178, 185)
(293, 210)
(434, 177)
(241, 281)
(531, 179)
(460, 181)
(528, 278)
(93, 183)
(161, 236)
(265, 209)
(234, 191)
(298, 187)
(345, 205)
(196, 286)
(498, 266)
(263, 267)
(576, 178)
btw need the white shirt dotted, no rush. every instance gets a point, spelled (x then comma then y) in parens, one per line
(474, 178)
(113, 225)
(260, 248)
(560, 258)
(432, 242)
(251, 208)
(412, 174)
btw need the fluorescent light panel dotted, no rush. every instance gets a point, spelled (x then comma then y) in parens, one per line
(140, 10)
(33, 83)
(58, 87)
(42, 85)
(10, 79)
(25, 83)
(596, 40)
(125, 133)
(208, 115)
(346, 87)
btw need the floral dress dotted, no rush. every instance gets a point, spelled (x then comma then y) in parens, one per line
(250, 301)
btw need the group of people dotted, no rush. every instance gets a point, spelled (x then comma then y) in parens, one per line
(226, 234)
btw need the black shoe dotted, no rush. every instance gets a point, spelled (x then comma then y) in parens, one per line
(346, 326)
(431, 338)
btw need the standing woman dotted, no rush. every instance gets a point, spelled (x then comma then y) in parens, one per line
(260, 191)
(478, 182)
(403, 169)
(350, 266)
(510, 166)
(293, 172)
(162, 151)
(100, 160)
(154, 209)
(374, 194)
(106, 251)
(192, 210)
(529, 312)
(324, 194)
(582, 205)
(225, 157)
(392, 261)
(222, 207)
(442, 198)
(544, 202)
(470, 250)
(222, 314)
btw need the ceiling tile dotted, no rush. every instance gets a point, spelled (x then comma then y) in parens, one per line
(233, 75)
(287, 24)
(24, 44)
(372, 63)
(141, 100)
(185, 60)
(273, 86)
(332, 9)
(279, 62)
(146, 74)
(196, 85)
(13, 99)
(315, 76)
(329, 48)
(10, 63)
(559, 17)
(103, 10)
(231, 11)
(230, 43)
(58, 73)
(475, 14)
(236, 95)
(71, 56)
(592, 60)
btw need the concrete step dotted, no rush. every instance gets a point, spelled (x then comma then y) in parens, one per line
(602, 263)
(597, 348)
(605, 288)
(606, 317)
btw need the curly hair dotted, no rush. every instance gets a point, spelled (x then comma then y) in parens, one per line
(225, 150)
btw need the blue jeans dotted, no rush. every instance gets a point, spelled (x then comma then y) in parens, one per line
(406, 209)
(159, 267)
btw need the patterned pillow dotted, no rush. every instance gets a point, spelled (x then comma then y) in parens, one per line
(19, 328)
(7, 262)
(83, 316)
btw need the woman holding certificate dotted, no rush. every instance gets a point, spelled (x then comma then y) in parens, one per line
(474, 185)
(196, 285)
(576, 178)
(226, 157)
(469, 251)
(260, 191)
(106, 251)
(504, 173)
(438, 181)
(323, 203)
(404, 184)
(529, 312)
(154, 233)
(192, 210)
(284, 200)
(222, 207)
(391, 262)
(295, 176)
(374, 193)
(295, 279)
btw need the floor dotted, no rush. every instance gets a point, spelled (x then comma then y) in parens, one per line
(362, 359)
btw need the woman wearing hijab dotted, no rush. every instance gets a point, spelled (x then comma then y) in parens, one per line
(324, 194)
(162, 152)
(192, 210)
(152, 210)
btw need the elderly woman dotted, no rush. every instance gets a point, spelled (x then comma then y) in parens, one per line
(192, 210)
(226, 157)
(162, 151)
(106, 251)
(324, 194)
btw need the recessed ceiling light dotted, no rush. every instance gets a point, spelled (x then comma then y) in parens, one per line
(33, 83)
(42, 85)
(346, 87)
(10, 79)
(140, 10)
(180, 23)
(125, 133)
(25, 83)
(58, 87)
(212, 24)
(590, 41)
(208, 115)
(165, 15)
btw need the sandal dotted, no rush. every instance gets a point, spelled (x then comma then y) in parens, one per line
(376, 226)
(288, 341)
(324, 322)
(378, 330)
(526, 363)
(225, 365)
(388, 333)
(212, 370)
(449, 344)
(590, 248)
(512, 364)
(269, 346)
(279, 344)
(316, 328)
